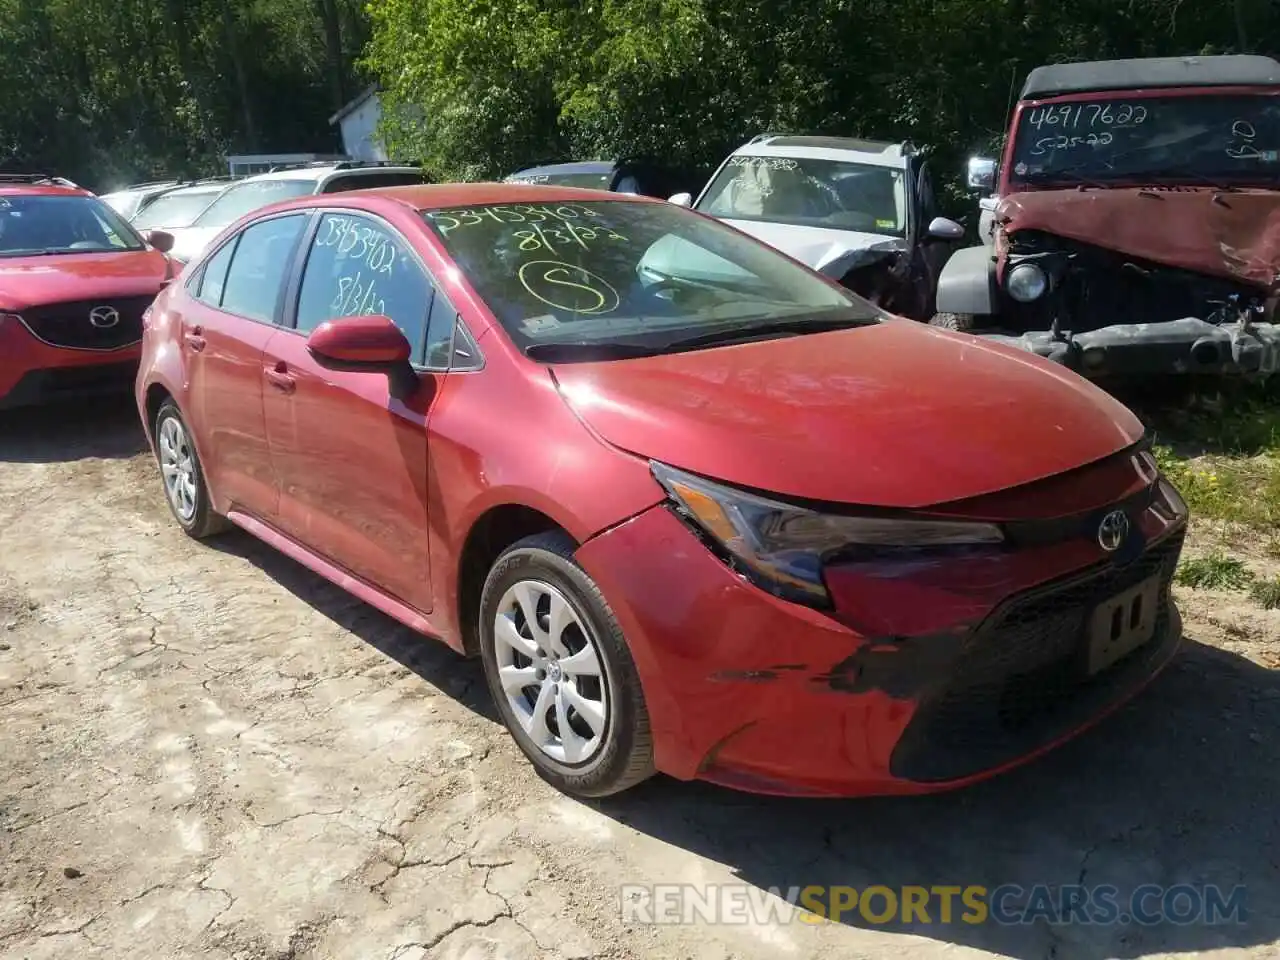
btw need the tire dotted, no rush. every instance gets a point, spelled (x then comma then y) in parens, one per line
(193, 511)
(963, 322)
(540, 570)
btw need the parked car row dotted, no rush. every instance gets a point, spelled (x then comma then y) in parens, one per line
(687, 495)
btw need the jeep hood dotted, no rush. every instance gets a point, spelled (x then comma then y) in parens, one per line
(897, 415)
(1233, 234)
(35, 281)
(831, 252)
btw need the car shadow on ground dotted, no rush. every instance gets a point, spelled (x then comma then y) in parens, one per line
(105, 428)
(459, 677)
(1179, 787)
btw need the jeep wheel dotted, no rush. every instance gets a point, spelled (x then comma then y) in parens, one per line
(963, 322)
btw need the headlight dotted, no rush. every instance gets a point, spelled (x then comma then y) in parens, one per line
(1026, 282)
(782, 547)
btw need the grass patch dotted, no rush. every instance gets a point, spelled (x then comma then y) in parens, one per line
(1226, 462)
(1214, 572)
(1266, 593)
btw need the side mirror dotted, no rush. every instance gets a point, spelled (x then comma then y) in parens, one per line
(941, 228)
(981, 174)
(681, 199)
(370, 344)
(159, 239)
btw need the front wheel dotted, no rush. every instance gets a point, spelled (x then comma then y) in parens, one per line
(560, 672)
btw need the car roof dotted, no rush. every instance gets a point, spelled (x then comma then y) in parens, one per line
(876, 152)
(318, 171)
(41, 190)
(1152, 72)
(568, 167)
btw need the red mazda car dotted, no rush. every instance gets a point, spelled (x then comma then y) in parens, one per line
(697, 509)
(75, 279)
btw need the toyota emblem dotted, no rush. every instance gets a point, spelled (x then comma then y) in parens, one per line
(104, 318)
(1113, 530)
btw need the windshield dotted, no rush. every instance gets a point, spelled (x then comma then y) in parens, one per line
(1220, 137)
(801, 190)
(246, 197)
(62, 224)
(177, 209)
(644, 274)
(590, 181)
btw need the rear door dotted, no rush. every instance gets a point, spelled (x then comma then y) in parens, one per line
(351, 458)
(236, 309)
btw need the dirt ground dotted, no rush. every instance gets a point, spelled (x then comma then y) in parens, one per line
(206, 751)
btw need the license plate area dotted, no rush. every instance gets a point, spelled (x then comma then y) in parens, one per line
(1122, 624)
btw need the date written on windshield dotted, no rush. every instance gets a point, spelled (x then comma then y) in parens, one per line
(447, 221)
(538, 237)
(1087, 115)
(1063, 142)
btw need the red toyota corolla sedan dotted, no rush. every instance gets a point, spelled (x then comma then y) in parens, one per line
(74, 281)
(697, 509)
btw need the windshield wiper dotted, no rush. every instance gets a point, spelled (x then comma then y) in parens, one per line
(1186, 173)
(585, 350)
(1070, 173)
(790, 325)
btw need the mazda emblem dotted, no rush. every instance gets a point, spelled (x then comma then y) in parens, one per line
(104, 318)
(1113, 530)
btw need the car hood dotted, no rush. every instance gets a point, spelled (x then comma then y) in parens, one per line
(1233, 234)
(189, 242)
(32, 281)
(896, 415)
(831, 252)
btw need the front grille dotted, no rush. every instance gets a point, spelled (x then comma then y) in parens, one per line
(68, 324)
(1020, 680)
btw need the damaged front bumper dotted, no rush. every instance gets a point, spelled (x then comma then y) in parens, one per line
(1186, 346)
(754, 693)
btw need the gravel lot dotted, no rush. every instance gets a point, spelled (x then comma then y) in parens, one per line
(206, 751)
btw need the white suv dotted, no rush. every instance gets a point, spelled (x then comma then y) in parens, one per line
(281, 184)
(860, 211)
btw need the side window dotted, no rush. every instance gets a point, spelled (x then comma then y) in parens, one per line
(358, 266)
(262, 258)
(214, 276)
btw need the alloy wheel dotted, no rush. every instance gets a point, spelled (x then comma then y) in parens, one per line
(551, 672)
(178, 468)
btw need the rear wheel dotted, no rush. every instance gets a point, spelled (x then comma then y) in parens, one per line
(964, 322)
(560, 672)
(184, 485)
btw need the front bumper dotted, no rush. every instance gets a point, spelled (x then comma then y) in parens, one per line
(762, 695)
(1186, 346)
(33, 372)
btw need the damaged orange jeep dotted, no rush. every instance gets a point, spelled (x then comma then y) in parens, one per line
(1135, 227)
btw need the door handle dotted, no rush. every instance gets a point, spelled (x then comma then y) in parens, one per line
(280, 378)
(194, 339)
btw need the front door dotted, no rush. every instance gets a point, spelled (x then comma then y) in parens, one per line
(235, 310)
(351, 458)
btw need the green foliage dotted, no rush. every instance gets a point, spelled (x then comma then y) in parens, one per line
(1214, 572)
(501, 82)
(108, 91)
(1266, 593)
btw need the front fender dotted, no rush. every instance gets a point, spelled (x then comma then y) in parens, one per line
(967, 283)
